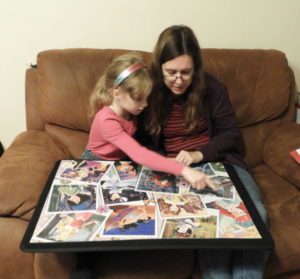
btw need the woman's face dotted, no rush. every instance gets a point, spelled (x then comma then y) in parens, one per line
(178, 73)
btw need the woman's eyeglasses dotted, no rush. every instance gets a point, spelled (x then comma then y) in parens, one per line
(174, 76)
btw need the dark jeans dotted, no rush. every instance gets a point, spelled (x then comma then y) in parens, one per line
(228, 264)
(89, 155)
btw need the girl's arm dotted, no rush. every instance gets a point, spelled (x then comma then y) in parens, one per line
(113, 132)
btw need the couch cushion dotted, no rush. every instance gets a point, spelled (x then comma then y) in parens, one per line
(277, 148)
(282, 201)
(275, 189)
(254, 138)
(24, 170)
(28, 265)
(12, 260)
(75, 141)
(285, 231)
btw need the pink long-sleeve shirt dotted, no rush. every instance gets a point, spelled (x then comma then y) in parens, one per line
(111, 138)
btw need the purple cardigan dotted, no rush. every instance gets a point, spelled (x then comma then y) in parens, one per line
(225, 144)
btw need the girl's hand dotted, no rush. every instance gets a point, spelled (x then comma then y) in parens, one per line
(189, 157)
(197, 179)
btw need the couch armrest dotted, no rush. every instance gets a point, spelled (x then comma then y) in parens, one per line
(24, 170)
(277, 148)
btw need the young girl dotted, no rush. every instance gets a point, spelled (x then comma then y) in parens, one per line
(119, 96)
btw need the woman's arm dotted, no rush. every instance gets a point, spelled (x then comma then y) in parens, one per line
(224, 133)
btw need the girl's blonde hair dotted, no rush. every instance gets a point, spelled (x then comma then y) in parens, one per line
(137, 84)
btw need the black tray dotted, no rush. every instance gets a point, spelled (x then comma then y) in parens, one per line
(265, 242)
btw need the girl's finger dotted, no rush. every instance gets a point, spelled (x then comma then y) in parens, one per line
(210, 184)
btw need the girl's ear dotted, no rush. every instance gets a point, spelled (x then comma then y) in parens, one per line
(116, 93)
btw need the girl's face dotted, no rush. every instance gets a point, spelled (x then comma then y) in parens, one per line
(128, 106)
(178, 73)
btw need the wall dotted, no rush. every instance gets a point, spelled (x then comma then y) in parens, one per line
(27, 27)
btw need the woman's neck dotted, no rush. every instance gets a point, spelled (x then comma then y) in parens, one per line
(177, 98)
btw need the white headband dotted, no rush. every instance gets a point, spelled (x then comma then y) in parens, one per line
(126, 73)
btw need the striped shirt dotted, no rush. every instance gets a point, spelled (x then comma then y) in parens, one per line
(177, 138)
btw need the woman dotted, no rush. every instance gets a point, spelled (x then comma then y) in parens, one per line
(196, 123)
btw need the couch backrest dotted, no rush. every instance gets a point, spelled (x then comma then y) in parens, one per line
(259, 82)
(66, 78)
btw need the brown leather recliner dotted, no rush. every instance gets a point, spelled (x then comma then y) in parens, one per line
(261, 88)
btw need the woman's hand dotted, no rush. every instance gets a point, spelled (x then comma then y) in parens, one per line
(197, 179)
(189, 157)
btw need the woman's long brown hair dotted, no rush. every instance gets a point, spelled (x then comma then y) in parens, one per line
(175, 41)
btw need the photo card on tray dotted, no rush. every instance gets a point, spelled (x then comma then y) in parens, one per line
(198, 227)
(182, 184)
(111, 174)
(116, 192)
(156, 181)
(206, 168)
(127, 170)
(131, 220)
(219, 169)
(224, 188)
(234, 219)
(172, 206)
(82, 170)
(72, 197)
(65, 227)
